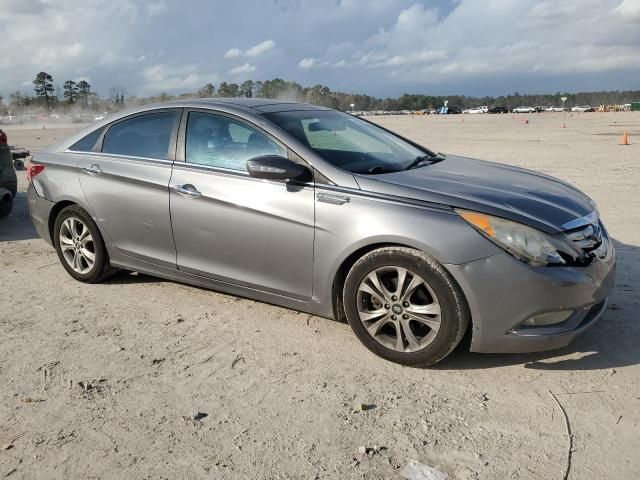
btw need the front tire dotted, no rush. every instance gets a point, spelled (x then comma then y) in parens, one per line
(80, 246)
(404, 306)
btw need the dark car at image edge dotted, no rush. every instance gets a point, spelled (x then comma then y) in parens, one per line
(8, 178)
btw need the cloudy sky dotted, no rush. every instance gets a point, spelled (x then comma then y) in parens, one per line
(380, 47)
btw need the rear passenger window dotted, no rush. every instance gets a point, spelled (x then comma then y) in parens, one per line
(87, 143)
(145, 136)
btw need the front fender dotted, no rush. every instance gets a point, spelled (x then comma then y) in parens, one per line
(342, 230)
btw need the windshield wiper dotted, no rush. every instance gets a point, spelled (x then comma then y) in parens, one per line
(379, 169)
(422, 159)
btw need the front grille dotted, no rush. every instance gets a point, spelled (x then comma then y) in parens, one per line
(587, 238)
(588, 234)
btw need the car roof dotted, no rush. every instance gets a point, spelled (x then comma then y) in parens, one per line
(254, 105)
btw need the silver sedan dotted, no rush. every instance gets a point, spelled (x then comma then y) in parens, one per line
(324, 212)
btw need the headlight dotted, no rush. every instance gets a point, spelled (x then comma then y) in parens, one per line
(525, 243)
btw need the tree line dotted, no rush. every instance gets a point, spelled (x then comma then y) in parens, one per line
(72, 91)
(323, 95)
(79, 94)
(73, 94)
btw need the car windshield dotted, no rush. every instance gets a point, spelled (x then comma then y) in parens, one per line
(349, 142)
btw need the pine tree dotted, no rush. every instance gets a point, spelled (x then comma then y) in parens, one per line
(70, 90)
(84, 90)
(43, 86)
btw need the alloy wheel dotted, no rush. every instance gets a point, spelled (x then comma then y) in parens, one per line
(77, 245)
(398, 309)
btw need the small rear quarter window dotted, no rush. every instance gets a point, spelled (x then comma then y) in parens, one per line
(87, 143)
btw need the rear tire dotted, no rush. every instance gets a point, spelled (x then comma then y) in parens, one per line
(398, 290)
(80, 246)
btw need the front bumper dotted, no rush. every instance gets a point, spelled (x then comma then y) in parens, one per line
(40, 210)
(503, 292)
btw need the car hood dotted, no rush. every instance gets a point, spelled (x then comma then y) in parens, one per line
(515, 193)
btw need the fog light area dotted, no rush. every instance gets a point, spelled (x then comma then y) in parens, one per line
(548, 318)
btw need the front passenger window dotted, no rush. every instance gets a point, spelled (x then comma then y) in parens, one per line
(218, 141)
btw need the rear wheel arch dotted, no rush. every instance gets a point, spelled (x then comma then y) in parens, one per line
(99, 265)
(55, 211)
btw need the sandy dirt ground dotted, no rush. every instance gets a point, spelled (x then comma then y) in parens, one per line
(103, 381)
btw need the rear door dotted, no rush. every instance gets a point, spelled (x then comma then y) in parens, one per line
(125, 180)
(230, 226)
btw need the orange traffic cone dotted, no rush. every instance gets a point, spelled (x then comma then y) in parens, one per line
(625, 139)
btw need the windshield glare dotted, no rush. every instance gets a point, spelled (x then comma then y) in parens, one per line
(348, 142)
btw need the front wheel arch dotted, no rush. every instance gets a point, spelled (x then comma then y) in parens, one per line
(456, 315)
(343, 269)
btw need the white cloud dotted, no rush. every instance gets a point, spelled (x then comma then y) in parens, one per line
(233, 53)
(63, 40)
(629, 9)
(243, 69)
(307, 63)
(169, 77)
(375, 46)
(416, 17)
(254, 51)
(260, 48)
(486, 39)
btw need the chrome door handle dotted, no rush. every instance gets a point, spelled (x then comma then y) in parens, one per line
(333, 198)
(186, 190)
(92, 169)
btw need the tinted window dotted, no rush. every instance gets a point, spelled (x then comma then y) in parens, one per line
(142, 136)
(87, 143)
(219, 141)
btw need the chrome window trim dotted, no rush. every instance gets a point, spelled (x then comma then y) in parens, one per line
(120, 156)
(210, 168)
(237, 173)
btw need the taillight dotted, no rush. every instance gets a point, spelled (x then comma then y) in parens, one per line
(33, 169)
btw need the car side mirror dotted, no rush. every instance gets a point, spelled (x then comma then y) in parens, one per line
(275, 167)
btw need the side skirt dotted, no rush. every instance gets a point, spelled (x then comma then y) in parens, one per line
(312, 307)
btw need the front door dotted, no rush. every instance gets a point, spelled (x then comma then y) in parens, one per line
(127, 185)
(234, 228)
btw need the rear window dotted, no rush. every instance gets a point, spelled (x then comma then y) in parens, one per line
(146, 136)
(87, 143)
